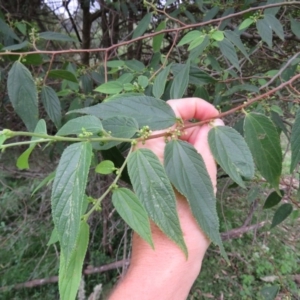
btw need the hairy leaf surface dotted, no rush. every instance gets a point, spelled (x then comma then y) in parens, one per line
(23, 94)
(70, 273)
(63, 74)
(155, 113)
(52, 104)
(265, 31)
(119, 127)
(281, 214)
(133, 213)
(231, 152)
(55, 36)
(160, 82)
(154, 189)
(295, 142)
(273, 199)
(77, 125)
(142, 26)
(22, 161)
(229, 52)
(157, 40)
(187, 172)
(68, 194)
(263, 140)
(180, 82)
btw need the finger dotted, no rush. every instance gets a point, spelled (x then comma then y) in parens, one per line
(199, 139)
(193, 108)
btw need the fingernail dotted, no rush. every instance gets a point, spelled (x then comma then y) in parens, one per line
(218, 122)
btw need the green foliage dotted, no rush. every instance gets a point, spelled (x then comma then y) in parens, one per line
(154, 190)
(263, 141)
(200, 49)
(133, 213)
(68, 193)
(187, 172)
(232, 153)
(23, 94)
(70, 273)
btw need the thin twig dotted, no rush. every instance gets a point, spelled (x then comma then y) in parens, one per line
(178, 29)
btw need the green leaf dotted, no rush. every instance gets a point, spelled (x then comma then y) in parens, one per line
(3, 138)
(295, 26)
(62, 74)
(155, 113)
(53, 238)
(201, 92)
(232, 153)
(157, 40)
(180, 82)
(295, 142)
(281, 214)
(153, 188)
(125, 78)
(133, 213)
(234, 38)
(80, 124)
(142, 26)
(115, 64)
(52, 104)
(196, 42)
(55, 36)
(7, 31)
(160, 82)
(22, 93)
(273, 11)
(276, 119)
(68, 194)
(218, 35)
(120, 127)
(22, 161)
(209, 15)
(135, 65)
(269, 292)
(16, 46)
(273, 199)
(111, 87)
(105, 167)
(70, 273)
(242, 87)
(277, 109)
(275, 25)
(229, 52)
(189, 37)
(169, 2)
(143, 81)
(246, 23)
(264, 143)
(265, 31)
(115, 155)
(48, 179)
(196, 52)
(187, 172)
(86, 83)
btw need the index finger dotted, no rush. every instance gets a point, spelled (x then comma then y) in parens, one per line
(193, 108)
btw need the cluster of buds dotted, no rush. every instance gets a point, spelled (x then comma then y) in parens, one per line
(94, 202)
(173, 134)
(85, 133)
(144, 133)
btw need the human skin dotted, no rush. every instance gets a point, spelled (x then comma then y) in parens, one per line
(164, 273)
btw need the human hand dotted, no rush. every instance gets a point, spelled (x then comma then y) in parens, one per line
(187, 109)
(165, 273)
